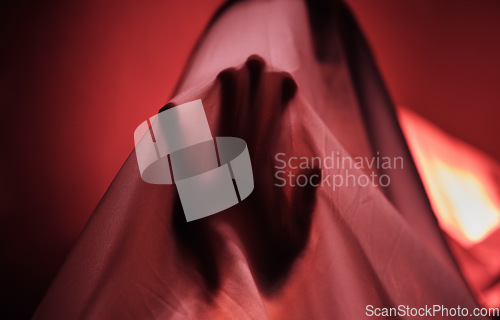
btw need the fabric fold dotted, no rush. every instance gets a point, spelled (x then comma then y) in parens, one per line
(290, 78)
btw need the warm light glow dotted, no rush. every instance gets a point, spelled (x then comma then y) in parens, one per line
(462, 200)
(459, 180)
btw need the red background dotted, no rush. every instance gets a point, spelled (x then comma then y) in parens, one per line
(78, 77)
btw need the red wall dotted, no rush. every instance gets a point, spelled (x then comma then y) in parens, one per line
(441, 59)
(78, 77)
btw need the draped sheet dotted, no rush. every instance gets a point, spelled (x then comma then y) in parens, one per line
(288, 77)
(462, 183)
